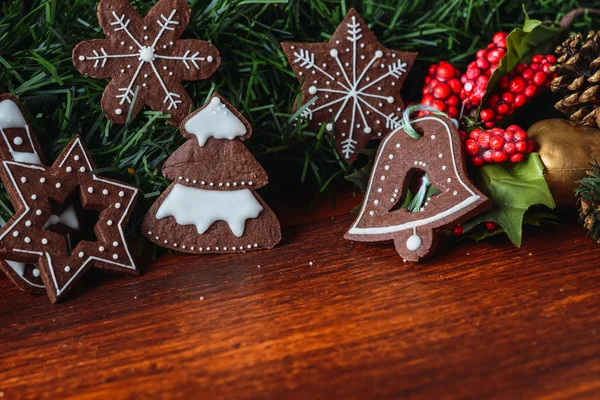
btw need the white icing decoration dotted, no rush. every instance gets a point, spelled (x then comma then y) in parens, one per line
(413, 224)
(210, 206)
(215, 120)
(67, 218)
(413, 243)
(11, 117)
(36, 272)
(147, 55)
(350, 84)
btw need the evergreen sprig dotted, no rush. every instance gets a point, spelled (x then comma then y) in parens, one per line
(589, 194)
(36, 39)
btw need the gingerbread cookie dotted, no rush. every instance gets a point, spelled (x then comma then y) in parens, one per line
(351, 84)
(145, 56)
(33, 189)
(438, 153)
(212, 206)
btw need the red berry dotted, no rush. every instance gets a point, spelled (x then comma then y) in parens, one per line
(482, 63)
(521, 146)
(551, 59)
(530, 146)
(527, 74)
(441, 91)
(484, 139)
(517, 85)
(455, 85)
(487, 156)
(486, 114)
(508, 97)
(520, 134)
(539, 78)
(530, 90)
(520, 100)
(457, 230)
(537, 58)
(502, 109)
(490, 226)
(496, 142)
(495, 56)
(499, 156)
(444, 70)
(477, 161)
(471, 146)
(440, 105)
(453, 101)
(509, 148)
(428, 100)
(517, 157)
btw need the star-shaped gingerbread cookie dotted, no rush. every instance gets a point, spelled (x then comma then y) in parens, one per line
(145, 55)
(351, 84)
(33, 188)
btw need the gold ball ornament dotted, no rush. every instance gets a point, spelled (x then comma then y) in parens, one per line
(566, 150)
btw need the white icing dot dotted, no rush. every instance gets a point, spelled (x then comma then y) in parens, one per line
(67, 269)
(101, 249)
(379, 54)
(379, 190)
(165, 68)
(333, 53)
(68, 169)
(118, 205)
(115, 243)
(81, 58)
(33, 197)
(454, 193)
(367, 129)
(16, 233)
(145, 28)
(23, 179)
(390, 99)
(81, 254)
(413, 243)
(27, 223)
(145, 37)
(255, 244)
(208, 249)
(329, 126)
(440, 155)
(249, 246)
(118, 111)
(432, 137)
(109, 222)
(90, 190)
(76, 157)
(234, 248)
(27, 239)
(115, 256)
(36, 272)
(42, 180)
(217, 248)
(249, 182)
(312, 90)
(44, 241)
(383, 177)
(209, 58)
(121, 193)
(449, 180)
(104, 192)
(18, 140)
(391, 156)
(82, 169)
(58, 185)
(38, 212)
(387, 167)
(371, 212)
(376, 202)
(443, 167)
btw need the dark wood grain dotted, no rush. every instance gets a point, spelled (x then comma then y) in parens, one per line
(480, 320)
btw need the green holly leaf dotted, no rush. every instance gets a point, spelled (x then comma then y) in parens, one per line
(534, 37)
(513, 190)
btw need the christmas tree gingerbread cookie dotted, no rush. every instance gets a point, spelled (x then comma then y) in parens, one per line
(28, 237)
(351, 83)
(437, 153)
(212, 205)
(145, 56)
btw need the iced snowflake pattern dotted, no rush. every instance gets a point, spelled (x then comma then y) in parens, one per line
(351, 83)
(145, 55)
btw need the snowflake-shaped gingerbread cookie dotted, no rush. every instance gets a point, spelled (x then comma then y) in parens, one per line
(351, 83)
(145, 55)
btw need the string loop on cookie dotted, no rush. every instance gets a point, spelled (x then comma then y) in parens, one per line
(406, 125)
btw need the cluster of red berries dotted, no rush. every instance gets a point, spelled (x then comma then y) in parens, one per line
(458, 230)
(442, 88)
(498, 145)
(522, 83)
(479, 71)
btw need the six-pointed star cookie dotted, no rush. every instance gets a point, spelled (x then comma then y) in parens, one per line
(25, 238)
(145, 55)
(355, 83)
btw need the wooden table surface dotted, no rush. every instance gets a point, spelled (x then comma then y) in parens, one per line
(480, 320)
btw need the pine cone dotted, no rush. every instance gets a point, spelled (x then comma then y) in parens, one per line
(578, 74)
